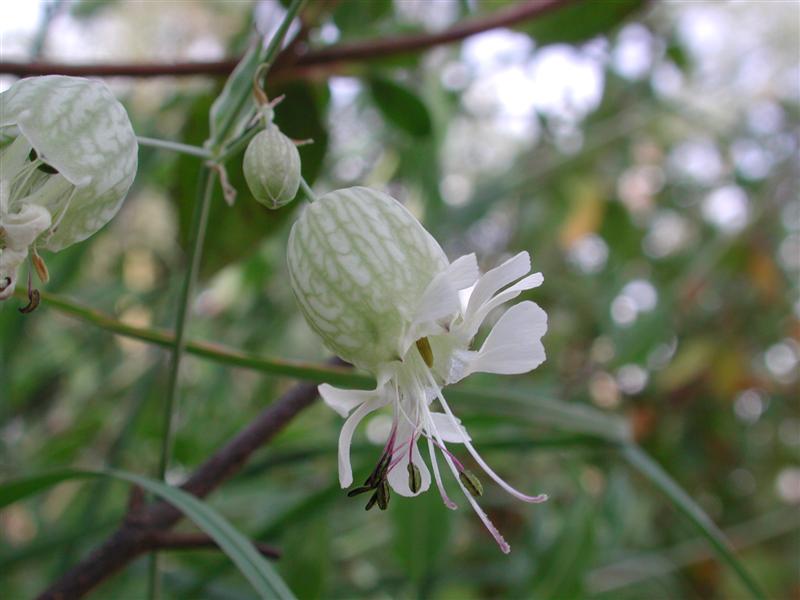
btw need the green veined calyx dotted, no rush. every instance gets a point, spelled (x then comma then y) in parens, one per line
(68, 156)
(271, 162)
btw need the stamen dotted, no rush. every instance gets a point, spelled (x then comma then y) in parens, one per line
(358, 490)
(425, 351)
(498, 538)
(33, 298)
(372, 501)
(38, 264)
(414, 477)
(41, 165)
(472, 483)
(487, 469)
(383, 495)
(438, 477)
(452, 456)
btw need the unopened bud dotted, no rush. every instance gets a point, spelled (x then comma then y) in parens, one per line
(272, 168)
(471, 482)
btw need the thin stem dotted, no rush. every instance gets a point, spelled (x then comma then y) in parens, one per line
(199, 226)
(236, 145)
(173, 146)
(312, 197)
(331, 56)
(319, 373)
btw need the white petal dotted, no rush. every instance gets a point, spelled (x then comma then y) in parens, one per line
(22, 228)
(398, 475)
(343, 401)
(440, 298)
(514, 344)
(497, 278)
(346, 437)
(450, 431)
(472, 324)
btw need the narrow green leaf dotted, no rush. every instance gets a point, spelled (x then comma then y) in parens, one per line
(645, 465)
(252, 565)
(231, 110)
(400, 106)
(228, 111)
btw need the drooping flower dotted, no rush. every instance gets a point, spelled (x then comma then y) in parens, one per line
(382, 295)
(68, 156)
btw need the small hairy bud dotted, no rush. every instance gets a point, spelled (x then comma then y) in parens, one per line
(272, 168)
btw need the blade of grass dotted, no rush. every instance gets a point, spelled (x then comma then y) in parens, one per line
(640, 567)
(261, 575)
(650, 469)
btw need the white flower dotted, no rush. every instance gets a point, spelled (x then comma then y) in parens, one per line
(382, 295)
(67, 158)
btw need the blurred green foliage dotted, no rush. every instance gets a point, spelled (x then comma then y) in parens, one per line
(665, 219)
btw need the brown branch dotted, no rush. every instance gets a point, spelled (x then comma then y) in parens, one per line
(286, 64)
(135, 536)
(168, 540)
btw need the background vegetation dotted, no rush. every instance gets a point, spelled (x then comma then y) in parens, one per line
(645, 154)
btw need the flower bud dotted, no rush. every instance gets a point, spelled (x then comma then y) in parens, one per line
(68, 156)
(272, 168)
(359, 264)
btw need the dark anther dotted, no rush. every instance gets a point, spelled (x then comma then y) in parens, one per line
(414, 478)
(372, 501)
(6, 283)
(33, 301)
(44, 168)
(380, 470)
(359, 490)
(471, 482)
(383, 495)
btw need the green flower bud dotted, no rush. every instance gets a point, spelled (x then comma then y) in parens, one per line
(68, 156)
(272, 168)
(359, 264)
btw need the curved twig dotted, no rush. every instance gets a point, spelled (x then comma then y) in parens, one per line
(340, 53)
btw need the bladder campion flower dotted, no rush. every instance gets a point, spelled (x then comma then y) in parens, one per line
(380, 292)
(67, 158)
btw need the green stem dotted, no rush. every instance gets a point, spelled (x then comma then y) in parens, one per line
(320, 373)
(307, 190)
(173, 146)
(199, 226)
(238, 144)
